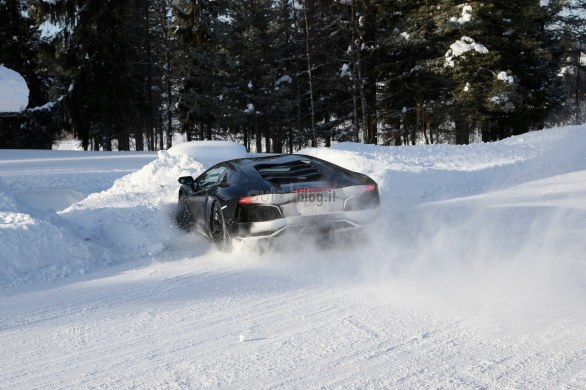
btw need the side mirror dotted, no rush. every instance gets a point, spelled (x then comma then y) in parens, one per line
(186, 180)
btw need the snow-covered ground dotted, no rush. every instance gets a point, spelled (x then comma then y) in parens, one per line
(474, 276)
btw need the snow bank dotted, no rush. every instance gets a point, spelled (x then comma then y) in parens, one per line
(132, 219)
(31, 245)
(434, 172)
(126, 222)
(35, 249)
(209, 152)
(13, 91)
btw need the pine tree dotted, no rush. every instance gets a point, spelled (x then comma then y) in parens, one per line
(360, 65)
(414, 92)
(253, 80)
(162, 12)
(568, 37)
(100, 57)
(199, 65)
(284, 73)
(21, 49)
(524, 88)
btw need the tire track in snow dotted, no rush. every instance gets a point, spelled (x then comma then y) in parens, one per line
(152, 328)
(55, 317)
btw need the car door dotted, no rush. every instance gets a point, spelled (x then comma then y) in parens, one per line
(199, 200)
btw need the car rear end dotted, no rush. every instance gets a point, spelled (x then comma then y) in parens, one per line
(307, 196)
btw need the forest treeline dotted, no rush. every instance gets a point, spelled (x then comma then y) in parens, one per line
(278, 75)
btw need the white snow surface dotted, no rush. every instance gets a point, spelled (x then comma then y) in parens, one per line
(474, 275)
(209, 151)
(13, 91)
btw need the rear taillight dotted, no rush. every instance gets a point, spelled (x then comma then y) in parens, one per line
(246, 200)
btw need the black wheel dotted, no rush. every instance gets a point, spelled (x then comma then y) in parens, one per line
(218, 229)
(183, 217)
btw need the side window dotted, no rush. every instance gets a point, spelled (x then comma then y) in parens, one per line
(211, 177)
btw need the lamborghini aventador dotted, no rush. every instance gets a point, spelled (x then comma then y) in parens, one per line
(264, 198)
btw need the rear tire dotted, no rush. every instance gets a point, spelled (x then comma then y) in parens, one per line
(218, 229)
(183, 217)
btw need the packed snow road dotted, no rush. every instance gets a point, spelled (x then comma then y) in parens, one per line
(215, 322)
(474, 277)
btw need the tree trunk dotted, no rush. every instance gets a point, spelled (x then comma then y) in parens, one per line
(369, 71)
(257, 135)
(246, 142)
(359, 80)
(168, 74)
(278, 139)
(149, 86)
(267, 138)
(328, 131)
(429, 127)
(161, 140)
(396, 137)
(139, 140)
(151, 140)
(462, 131)
(356, 80)
(123, 140)
(85, 143)
(209, 132)
(578, 102)
(309, 75)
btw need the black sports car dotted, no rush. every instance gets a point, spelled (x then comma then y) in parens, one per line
(261, 198)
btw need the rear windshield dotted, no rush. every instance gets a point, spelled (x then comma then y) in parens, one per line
(298, 171)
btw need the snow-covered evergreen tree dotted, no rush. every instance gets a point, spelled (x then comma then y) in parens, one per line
(199, 64)
(21, 50)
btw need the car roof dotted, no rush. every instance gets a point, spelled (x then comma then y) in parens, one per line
(274, 159)
(250, 165)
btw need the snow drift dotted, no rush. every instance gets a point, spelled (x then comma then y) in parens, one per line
(212, 152)
(126, 222)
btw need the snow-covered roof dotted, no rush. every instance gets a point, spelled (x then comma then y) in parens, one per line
(13, 91)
